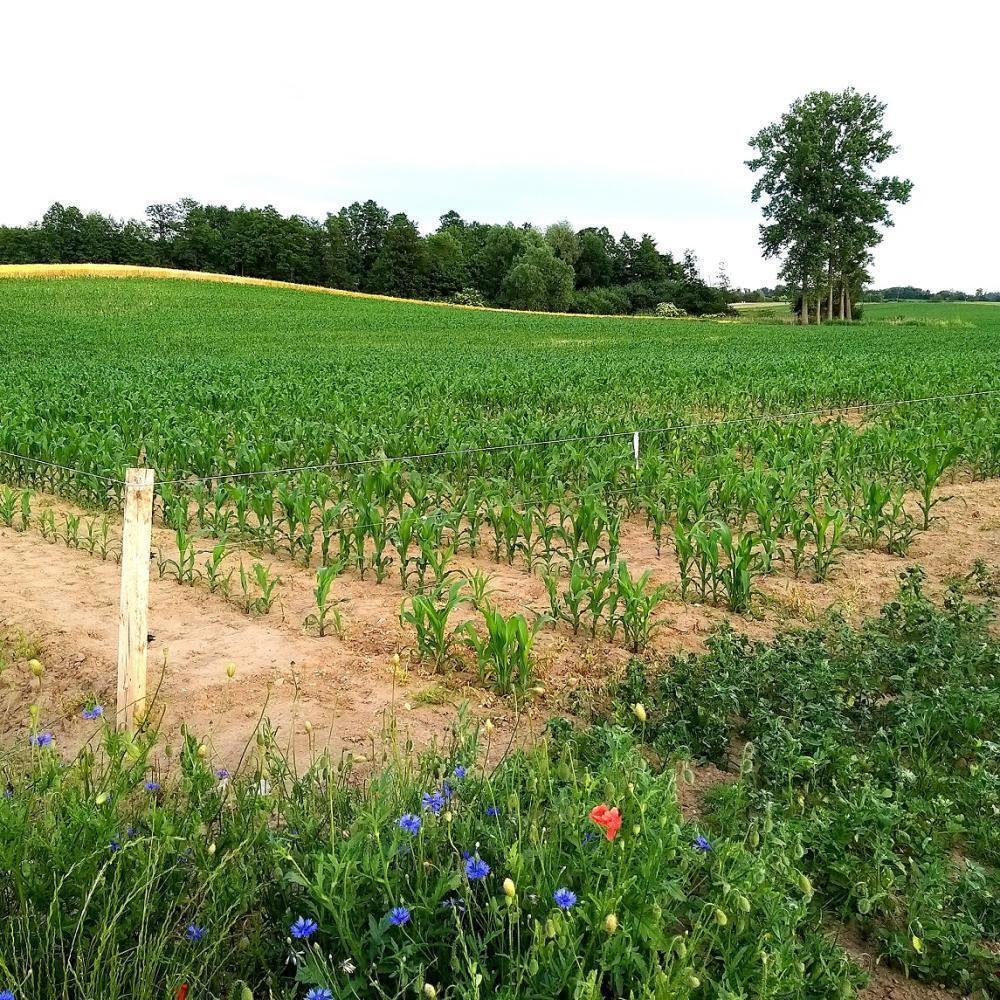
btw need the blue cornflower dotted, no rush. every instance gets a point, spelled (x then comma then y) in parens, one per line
(194, 933)
(114, 846)
(94, 712)
(410, 823)
(476, 868)
(588, 836)
(565, 898)
(459, 772)
(40, 739)
(398, 916)
(319, 993)
(492, 811)
(152, 786)
(222, 774)
(453, 903)
(701, 844)
(7, 995)
(304, 928)
(433, 801)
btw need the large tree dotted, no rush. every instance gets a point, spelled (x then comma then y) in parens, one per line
(827, 200)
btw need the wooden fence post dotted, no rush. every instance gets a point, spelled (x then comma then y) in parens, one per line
(133, 630)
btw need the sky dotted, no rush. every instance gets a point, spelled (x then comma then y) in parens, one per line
(631, 115)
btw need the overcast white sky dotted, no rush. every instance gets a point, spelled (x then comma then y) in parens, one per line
(634, 115)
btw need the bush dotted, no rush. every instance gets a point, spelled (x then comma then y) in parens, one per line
(600, 301)
(438, 873)
(668, 309)
(468, 297)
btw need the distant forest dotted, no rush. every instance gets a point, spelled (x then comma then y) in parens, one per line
(362, 247)
(899, 293)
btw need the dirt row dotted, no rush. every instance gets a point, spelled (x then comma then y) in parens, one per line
(66, 602)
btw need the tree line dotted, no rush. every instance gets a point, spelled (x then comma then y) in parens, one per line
(365, 248)
(901, 293)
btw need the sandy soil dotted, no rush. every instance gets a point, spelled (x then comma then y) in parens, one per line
(67, 602)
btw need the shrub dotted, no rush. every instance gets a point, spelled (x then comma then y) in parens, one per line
(468, 297)
(668, 309)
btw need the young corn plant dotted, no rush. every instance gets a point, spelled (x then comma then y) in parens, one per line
(257, 589)
(636, 602)
(931, 467)
(478, 586)
(327, 613)
(743, 563)
(428, 615)
(901, 526)
(47, 526)
(827, 531)
(569, 603)
(503, 655)
(218, 580)
(8, 506)
(71, 530)
(183, 567)
(602, 601)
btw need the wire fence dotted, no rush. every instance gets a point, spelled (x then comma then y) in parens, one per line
(192, 479)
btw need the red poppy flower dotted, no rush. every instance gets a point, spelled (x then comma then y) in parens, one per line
(182, 991)
(609, 820)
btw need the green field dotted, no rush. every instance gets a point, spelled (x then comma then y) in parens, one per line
(864, 758)
(213, 379)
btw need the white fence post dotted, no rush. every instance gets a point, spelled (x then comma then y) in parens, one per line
(133, 625)
(635, 447)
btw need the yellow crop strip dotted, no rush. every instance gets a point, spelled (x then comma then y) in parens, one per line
(139, 271)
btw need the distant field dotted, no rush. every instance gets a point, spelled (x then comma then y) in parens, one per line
(216, 376)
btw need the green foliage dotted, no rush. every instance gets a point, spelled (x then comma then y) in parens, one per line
(878, 746)
(124, 890)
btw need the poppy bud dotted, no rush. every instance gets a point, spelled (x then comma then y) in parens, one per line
(639, 711)
(918, 945)
(806, 886)
(720, 917)
(35, 666)
(610, 923)
(509, 889)
(693, 981)
(429, 991)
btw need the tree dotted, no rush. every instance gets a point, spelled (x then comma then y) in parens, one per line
(401, 265)
(563, 240)
(447, 271)
(648, 264)
(450, 220)
(539, 280)
(595, 264)
(826, 199)
(500, 248)
(366, 228)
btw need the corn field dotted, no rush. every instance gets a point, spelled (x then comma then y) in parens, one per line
(522, 430)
